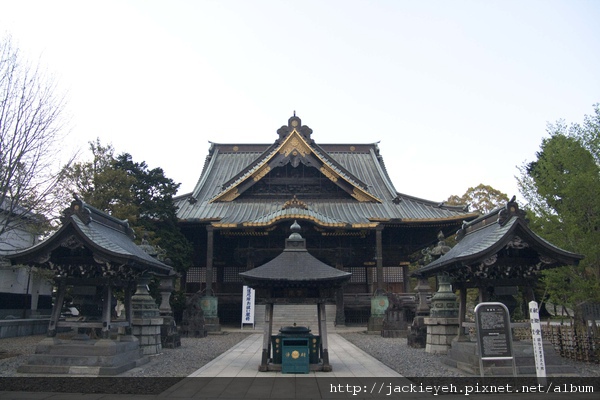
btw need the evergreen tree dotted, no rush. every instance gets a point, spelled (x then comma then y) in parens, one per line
(562, 188)
(130, 190)
(481, 198)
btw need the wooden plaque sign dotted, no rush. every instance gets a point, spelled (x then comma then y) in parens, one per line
(493, 331)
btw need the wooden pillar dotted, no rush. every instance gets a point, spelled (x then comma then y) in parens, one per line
(128, 308)
(529, 294)
(481, 294)
(462, 313)
(405, 276)
(323, 333)
(268, 329)
(209, 259)
(106, 311)
(340, 317)
(60, 299)
(379, 258)
(250, 259)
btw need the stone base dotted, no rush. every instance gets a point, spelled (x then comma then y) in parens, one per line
(147, 330)
(440, 333)
(417, 335)
(320, 367)
(212, 324)
(171, 341)
(169, 335)
(102, 357)
(465, 356)
(23, 327)
(375, 324)
(393, 333)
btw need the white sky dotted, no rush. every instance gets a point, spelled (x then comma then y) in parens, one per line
(458, 92)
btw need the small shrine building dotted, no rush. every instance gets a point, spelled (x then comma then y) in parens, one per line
(497, 253)
(93, 250)
(238, 215)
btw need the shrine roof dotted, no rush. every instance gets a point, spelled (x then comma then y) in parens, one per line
(480, 240)
(110, 241)
(295, 266)
(371, 198)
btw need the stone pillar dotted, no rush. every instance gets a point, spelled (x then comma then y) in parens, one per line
(323, 333)
(379, 305)
(417, 334)
(210, 303)
(168, 332)
(268, 329)
(379, 258)
(379, 302)
(146, 318)
(442, 325)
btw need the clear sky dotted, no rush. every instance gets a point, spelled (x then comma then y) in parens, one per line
(457, 92)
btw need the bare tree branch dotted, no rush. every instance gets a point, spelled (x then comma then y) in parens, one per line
(32, 126)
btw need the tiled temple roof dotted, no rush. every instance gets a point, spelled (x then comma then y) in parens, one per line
(482, 240)
(358, 169)
(108, 239)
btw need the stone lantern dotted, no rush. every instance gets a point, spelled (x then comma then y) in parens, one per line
(146, 318)
(442, 325)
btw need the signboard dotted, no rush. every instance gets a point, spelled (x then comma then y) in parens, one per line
(247, 306)
(538, 346)
(493, 333)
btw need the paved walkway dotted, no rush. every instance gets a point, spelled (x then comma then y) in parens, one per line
(234, 375)
(243, 360)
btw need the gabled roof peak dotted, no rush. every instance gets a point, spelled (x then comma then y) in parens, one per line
(86, 213)
(295, 124)
(500, 215)
(294, 147)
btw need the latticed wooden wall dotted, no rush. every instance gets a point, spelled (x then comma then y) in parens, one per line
(570, 342)
(575, 343)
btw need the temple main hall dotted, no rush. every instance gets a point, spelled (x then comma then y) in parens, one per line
(352, 217)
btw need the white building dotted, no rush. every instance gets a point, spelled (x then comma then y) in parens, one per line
(23, 292)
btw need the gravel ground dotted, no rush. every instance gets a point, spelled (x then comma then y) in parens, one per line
(411, 362)
(396, 354)
(170, 366)
(181, 362)
(196, 352)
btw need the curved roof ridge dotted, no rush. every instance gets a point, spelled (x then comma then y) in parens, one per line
(348, 175)
(383, 172)
(488, 234)
(206, 168)
(108, 245)
(250, 168)
(295, 212)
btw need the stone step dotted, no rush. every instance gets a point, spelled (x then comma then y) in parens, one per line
(78, 370)
(84, 360)
(551, 370)
(84, 357)
(300, 314)
(465, 356)
(87, 347)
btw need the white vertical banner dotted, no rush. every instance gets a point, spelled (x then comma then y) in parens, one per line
(247, 306)
(538, 345)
